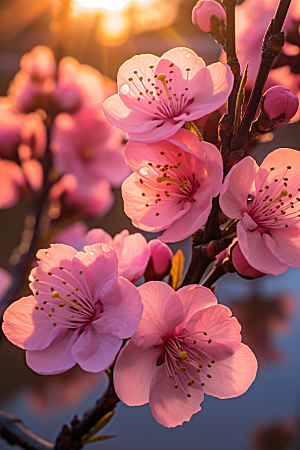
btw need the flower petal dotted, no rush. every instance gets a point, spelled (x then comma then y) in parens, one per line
(171, 407)
(259, 249)
(237, 186)
(194, 298)
(125, 311)
(56, 358)
(233, 376)
(95, 352)
(163, 311)
(133, 373)
(133, 255)
(29, 328)
(287, 244)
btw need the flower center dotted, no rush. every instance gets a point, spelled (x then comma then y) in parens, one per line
(275, 204)
(186, 363)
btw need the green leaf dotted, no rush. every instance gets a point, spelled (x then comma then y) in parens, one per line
(99, 425)
(176, 270)
(192, 127)
(240, 101)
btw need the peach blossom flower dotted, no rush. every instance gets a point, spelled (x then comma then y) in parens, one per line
(265, 202)
(185, 345)
(157, 95)
(173, 184)
(80, 311)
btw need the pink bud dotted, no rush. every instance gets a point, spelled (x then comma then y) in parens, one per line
(160, 260)
(242, 266)
(279, 100)
(203, 12)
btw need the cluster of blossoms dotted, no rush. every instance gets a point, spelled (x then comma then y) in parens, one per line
(84, 304)
(65, 103)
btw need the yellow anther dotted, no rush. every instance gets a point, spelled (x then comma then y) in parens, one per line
(283, 193)
(181, 184)
(171, 376)
(56, 295)
(183, 355)
(162, 77)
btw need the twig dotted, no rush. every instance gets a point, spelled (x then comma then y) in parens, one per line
(272, 44)
(16, 433)
(217, 272)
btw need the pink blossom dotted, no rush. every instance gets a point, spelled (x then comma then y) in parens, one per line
(34, 83)
(5, 281)
(80, 86)
(132, 250)
(204, 11)
(89, 147)
(280, 101)
(12, 181)
(242, 266)
(80, 311)
(173, 184)
(157, 95)
(160, 260)
(90, 199)
(185, 345)
(10, 127)
(265, 202)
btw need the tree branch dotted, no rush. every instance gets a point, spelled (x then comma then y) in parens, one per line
(16, 433)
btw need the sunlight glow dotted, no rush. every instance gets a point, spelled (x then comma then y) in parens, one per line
(110, 5)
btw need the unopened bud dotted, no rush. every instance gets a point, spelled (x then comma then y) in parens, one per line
(160, 260)
(208, 14)
(242, 266)
(280, 104)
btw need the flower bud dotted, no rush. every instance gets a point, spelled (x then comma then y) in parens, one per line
(204, 12)
(160, 260)
(280, 104)
(242, 266)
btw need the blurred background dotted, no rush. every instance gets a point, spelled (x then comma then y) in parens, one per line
(104, 34)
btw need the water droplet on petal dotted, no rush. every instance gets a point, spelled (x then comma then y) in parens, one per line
(105, 248)
(92, 253)
(144, 171)
(124, 90)
(188, 55)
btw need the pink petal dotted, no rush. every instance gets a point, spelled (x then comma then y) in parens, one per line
(95, 352)
(162, 130)
(163, 311)
(122, 304)
(287, 244)
(56, 358)
(144, 217)
(171, 407)
(133, 256)
(233, 376)
(194, 298)
(95, 260)
(11, 182)
(259, 249)
(5, 282)
(237, 186)
(133, 373)
(96, 236)
(121, 116)
(223, 329)
(218, 87)
(36, 332)
(192, 220)
(33, 172)
(214, 168)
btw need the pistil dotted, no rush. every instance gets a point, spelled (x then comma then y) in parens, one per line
(162, 77)
(57, 295)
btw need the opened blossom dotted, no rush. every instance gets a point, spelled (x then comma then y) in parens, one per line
(157, 95)
(173, 184)
(265, 201)
(185, 345)
(80, 310)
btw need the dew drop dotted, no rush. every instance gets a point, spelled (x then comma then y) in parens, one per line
(124, 90)
(188, 55)
(105, 248)
(144, 171)
(92, 253)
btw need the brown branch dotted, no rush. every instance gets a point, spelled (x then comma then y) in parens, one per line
(272, 45)
(16, 433)
(217, 272)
